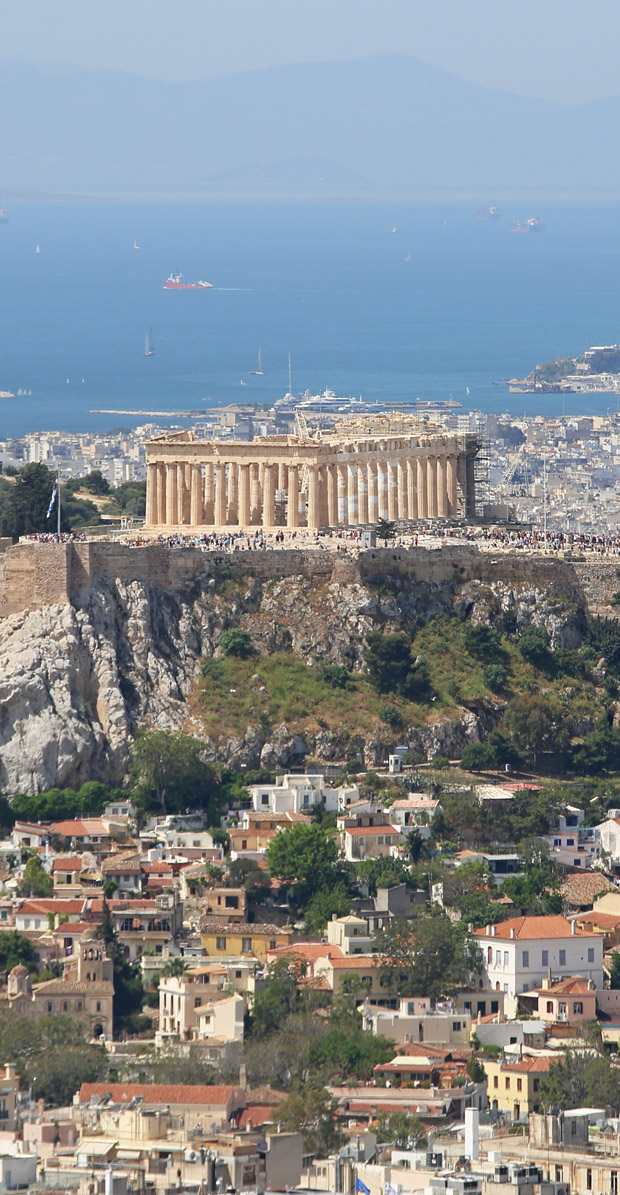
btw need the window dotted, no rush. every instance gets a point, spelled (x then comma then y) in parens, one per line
(590, 954)
(578, 1008)
(588, 1180)
(197, 1001)
(246, 945)
(559, 1174)
(264, 798)
(545, 958)
(519, 1084)
(489, 954)
(562, 1009)
(98, 1008)
(570, 841)
(506, 958)
(272, 943)
(50, 1006)
(614, 1182)
(456, 1026)
(536, 1084)
(549, 1005)
(65, 1006)
(507, 1083)
(238, 974)
(220, 943)
(495, 1081)
(79, 1005)
(562, 958)
(494, 1005)
(525, 958)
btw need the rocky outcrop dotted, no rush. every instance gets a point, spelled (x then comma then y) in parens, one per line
(76, 679)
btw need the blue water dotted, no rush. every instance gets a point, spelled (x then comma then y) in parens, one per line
(326, 281)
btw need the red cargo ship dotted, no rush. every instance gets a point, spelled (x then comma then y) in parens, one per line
(175, 282)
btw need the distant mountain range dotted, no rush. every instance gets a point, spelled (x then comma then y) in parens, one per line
(385, 121)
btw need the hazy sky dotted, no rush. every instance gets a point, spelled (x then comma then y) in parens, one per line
(556, 49)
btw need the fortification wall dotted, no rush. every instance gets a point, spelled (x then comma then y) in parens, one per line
(38, 574)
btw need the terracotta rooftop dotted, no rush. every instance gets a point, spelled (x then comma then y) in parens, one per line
(67, 863)
(158, 1093)
(364, 831)
(256, 1115)
(246, 929)
(531, 929)
(583, 888)
(79, 827)
(575, 985)
(603, 920)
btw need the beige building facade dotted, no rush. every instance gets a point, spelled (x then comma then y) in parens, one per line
(394, 468)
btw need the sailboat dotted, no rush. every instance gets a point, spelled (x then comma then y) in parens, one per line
(136, 245)
(259, 372)
(37, 250)
(149, 347)
(408, 257)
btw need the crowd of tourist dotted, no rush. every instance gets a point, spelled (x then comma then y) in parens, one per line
(341, 539)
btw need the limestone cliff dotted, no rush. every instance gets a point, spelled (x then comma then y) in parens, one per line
(77, 678)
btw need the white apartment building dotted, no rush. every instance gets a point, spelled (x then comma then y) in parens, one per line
(350, 934)
(520, 952)
(297, 793)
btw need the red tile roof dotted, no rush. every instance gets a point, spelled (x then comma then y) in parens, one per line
(531, 929)
(158, 1093)
(359, 831)
(67, 864)
(256, 1114)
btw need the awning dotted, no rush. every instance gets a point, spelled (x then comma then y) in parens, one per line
(128, 1155)
(95, 1149)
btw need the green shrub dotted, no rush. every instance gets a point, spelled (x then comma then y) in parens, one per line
(391, 715)
(237, 642)
(495, 677)
(335, 675)
(482, 642)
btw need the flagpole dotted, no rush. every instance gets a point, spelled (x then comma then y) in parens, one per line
(58, 499)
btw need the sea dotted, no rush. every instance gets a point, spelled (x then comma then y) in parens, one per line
(390, 301)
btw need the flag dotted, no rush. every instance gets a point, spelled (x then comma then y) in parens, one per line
(388, 1189)
(361, 1188)
(52, 500)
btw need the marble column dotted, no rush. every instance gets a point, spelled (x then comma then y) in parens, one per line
(332, 496)
(292, 506)
(209, 494)
(461, 480)
(269, 494)
(282, 470)
(382, 486)
(171, 495)
(182, 495)
(451, 486)
(431, 486)
(392, 490)
(362, 493)
(323, 519)
(151, 495)
(196, 515)
(412, 490)
(220, 495)
(442, 488)
(373, 496)
(161, 494)
(244, 495)
(233, 490)
(352, 512)
(403, 497)
(255, 491)
(422, 495)
(342, 495)
(313, 498)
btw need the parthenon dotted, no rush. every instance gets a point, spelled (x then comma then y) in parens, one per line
(397, 468)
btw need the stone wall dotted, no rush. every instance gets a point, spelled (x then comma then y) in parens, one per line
(34, 575)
